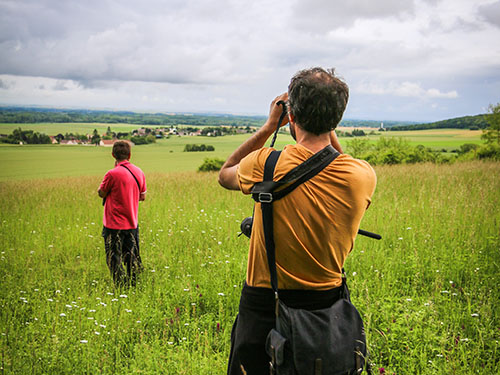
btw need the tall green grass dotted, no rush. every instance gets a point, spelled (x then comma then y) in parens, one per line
(428, 291)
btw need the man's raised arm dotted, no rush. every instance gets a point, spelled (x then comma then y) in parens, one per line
(228, 174)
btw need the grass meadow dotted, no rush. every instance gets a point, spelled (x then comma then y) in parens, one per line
(428, 291)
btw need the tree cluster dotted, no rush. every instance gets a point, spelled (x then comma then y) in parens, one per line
(393, 151)
(354, 133)
(194, 147)
(26, 136)
(211, 164)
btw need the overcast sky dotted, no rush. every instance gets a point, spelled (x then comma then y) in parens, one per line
(413, 60)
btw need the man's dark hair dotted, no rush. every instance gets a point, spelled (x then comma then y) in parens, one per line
(317, 99)
(121, 150)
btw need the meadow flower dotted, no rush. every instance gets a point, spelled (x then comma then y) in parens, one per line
(127, 310)
(83, 341)
(62, 314)
(474, 315)
(220, 294)
(123, 296)
(97, 333)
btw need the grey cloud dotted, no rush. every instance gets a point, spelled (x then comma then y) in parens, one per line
(196, 43)
(326, 15)
(60, 86)
(491, 13)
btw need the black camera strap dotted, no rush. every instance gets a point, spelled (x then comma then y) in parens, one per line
(135, 178)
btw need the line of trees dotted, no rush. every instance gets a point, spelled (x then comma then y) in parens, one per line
(27, 137)
(467, 122)
(37, 115)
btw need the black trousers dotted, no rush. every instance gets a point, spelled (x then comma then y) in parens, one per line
(256, 318)
(122, 248)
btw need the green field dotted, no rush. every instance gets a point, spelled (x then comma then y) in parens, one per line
(24, 162)
(47, 161)
(428, 291)
(436, 138)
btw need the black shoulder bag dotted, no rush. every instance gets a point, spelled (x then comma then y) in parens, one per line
(319, 342)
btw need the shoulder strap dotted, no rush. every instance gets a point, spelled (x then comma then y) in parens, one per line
(269, 190)
(267, 219)
(265, 194)
(135, 178)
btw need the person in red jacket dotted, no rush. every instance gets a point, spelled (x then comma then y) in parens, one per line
(121, 189)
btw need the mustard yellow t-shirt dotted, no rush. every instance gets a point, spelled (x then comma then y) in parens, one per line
(314, 226)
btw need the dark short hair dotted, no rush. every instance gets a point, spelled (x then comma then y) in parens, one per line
(317, 99)
(121, 150)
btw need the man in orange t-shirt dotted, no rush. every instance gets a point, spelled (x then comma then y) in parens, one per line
(314, 226)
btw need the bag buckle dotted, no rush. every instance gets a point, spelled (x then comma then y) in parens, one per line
(265, 197)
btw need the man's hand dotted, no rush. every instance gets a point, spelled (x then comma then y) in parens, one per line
(228, 175)
(275, 111)
(101, 193)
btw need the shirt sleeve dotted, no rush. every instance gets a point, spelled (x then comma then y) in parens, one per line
(251, 169)
(106, 183)
(144, 188)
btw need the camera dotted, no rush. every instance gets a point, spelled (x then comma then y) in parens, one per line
(246, 226)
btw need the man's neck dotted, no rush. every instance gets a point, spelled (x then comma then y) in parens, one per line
(312, 141)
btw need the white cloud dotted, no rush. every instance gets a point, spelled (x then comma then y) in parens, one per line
(404, 89)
